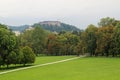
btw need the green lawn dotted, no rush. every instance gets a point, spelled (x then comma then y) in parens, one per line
(79, 69)
(47, 59)
(39, 60)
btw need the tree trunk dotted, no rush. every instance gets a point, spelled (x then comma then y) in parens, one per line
(7, 66)
(113, 54)
(96, 54)
(107, 54)
(24, 64)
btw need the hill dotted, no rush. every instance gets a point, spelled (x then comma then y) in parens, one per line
(18, 28)
(56, 26)
(53, 26)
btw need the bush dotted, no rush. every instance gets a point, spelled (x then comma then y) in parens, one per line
(28, 55)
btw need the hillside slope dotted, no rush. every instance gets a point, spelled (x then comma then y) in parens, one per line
(53, 26)
(56, 26)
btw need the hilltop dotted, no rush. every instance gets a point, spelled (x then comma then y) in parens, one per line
(56, 26)
(53, 26)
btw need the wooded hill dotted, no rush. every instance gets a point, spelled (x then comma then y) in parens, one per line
(53, 26)
(56, 26)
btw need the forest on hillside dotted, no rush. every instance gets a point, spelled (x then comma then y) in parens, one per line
(101, 40)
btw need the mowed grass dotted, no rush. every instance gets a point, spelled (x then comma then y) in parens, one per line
(39, 60)
(79, 69)
(47, 59)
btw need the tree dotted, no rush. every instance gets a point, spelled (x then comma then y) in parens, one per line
(61, 41)
(25, 39)
(28, 55)
(116, 37)
(51, 42)
(80, 48)
(10, 51)
(39, 38)
(1, 62)
(104, 40)
(3, 26)
(7, 43)
(107, 22)
(11, 58)
(91, 39)
(35, 38)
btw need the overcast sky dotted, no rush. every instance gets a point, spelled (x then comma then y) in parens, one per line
(80, 13)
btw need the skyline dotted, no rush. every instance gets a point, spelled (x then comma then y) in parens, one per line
(79, 13)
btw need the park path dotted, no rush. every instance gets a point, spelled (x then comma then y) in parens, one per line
(40, 65)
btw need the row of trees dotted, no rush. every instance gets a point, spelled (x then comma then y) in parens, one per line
(103, 40)
(10, 51)
(35, 38)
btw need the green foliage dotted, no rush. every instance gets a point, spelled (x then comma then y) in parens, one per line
(25, 38)
(19, 56)
(3, 26)
(11, 58)
(10, 52)
(7, 44)
(116, 37)
(91, 39)
(36, 39)
(105, 40)
(62, 44)
(107, 22)
(95, 41)
(1, 62)
(28, 55)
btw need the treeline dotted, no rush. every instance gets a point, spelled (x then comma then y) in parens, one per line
(11, 52)
(101, 40)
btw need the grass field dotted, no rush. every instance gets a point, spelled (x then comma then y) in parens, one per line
(39, 60)
(79, 69)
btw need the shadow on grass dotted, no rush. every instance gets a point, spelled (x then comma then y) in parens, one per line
(4, 68)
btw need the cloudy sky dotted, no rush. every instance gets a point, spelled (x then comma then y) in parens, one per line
(76, 12)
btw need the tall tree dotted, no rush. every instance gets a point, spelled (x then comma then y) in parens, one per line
(1, 62)
(91, 39)
(39, 37)
(35, 38)
(104, 40)
(11, 58)
(116, 38)
(7, 43)
(107, 22)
